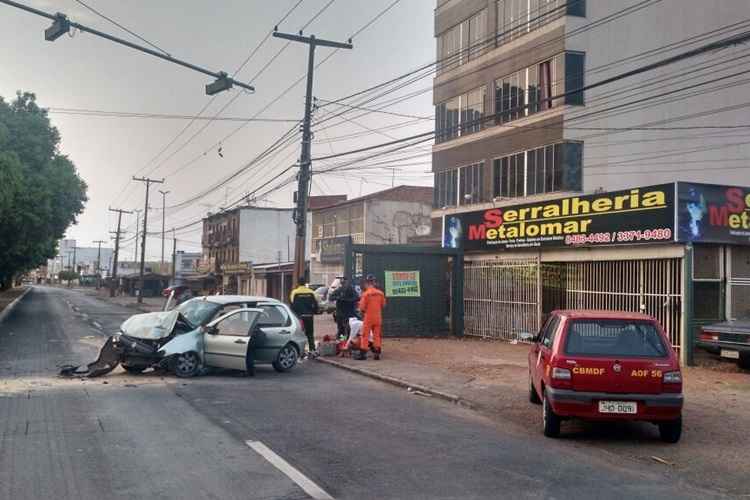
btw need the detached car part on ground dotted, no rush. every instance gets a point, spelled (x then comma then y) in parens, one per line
(187, 340)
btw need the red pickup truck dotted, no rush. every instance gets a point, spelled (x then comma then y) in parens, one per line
(606, 365)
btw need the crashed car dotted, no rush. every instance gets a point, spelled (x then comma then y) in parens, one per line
(232, 332)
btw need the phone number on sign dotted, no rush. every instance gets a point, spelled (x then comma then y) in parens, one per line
(619, 237)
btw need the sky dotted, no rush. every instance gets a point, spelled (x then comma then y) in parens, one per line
(84, 72)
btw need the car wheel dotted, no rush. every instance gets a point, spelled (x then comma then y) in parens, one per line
(550, 420)
(134, 369)
(286, 359)
(533, 396)
(744, 360)
(670, 432)
(186, 365)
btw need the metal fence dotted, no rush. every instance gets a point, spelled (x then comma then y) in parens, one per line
(501, 298)
(652, 287)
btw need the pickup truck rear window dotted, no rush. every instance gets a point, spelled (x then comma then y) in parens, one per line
(616, 338)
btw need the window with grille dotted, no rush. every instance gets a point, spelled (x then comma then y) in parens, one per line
(547, 169)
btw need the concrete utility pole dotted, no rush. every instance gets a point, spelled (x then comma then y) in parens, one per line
(137, 232)
(174, 256)
(163, 216)
(99, 264)
(117, 248)
(145, 229)
(305, 166)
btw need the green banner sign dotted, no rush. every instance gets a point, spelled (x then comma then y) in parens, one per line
(402, 284)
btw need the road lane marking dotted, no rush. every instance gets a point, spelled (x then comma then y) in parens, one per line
(97, 324)
(300, 479)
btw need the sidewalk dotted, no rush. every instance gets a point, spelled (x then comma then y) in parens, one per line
(492, 378)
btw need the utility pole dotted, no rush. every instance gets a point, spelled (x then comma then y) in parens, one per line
(145, 229)
(75, 260)
(117, 248)
(163, 216)
(99, 264)
(137, 232)
(305, 166)
(174, 256)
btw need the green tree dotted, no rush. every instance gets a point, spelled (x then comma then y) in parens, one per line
(40, 191)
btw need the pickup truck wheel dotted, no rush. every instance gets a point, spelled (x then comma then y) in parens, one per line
(286, 359)
(670, 432)
(551, 422)
(533, 396)
(134, 369)
(186, 365)
(744, 360)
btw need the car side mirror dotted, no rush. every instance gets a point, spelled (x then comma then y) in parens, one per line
(211, 330)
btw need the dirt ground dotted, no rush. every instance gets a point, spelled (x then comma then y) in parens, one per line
(715, 446)
(9, 296)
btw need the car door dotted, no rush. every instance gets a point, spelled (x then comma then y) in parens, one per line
(226, 339)
(275, 323)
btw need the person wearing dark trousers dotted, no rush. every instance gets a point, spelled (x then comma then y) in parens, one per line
(346, 298)
(305, 306)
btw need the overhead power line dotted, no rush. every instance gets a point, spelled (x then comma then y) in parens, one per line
(139, 37)
(159, 116)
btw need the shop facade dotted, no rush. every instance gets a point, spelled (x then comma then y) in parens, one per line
(677, 251)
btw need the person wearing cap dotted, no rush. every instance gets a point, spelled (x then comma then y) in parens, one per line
(371, 304)
(305, 306)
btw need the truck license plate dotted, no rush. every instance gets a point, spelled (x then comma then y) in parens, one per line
(628, 407)
(728, 353)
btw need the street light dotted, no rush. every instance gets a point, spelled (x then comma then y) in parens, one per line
(59, 27)
(220, 85)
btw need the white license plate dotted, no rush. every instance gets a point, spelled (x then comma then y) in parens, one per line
(727, 353)
(628, 407)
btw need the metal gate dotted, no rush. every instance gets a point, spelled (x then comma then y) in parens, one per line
(501, 298)
(653, 287)
(505, 297)
(436, 309)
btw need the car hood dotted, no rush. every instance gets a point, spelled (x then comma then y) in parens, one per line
(150, 326)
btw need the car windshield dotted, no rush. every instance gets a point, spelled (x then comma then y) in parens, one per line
(621, 338)
(198, 311)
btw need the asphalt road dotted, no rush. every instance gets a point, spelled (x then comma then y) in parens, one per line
(153, 436)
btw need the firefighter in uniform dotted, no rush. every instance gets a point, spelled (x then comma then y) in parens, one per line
(305, 306)
(371, 304)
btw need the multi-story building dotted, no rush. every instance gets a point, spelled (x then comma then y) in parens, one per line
(392, 216)
(510, 122)
(235, 240)
(514, 131)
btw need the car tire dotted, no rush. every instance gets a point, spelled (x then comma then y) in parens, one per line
(134, 369)
(533, 396)
(744, 361)
(550, 420)
(286, 359)
(670, 432)
(186, 365)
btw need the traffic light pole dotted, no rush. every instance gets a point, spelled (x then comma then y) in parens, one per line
(305, 167)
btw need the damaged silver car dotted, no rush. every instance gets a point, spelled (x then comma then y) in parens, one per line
(231, 332)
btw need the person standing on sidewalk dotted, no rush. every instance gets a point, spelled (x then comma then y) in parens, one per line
(346, 305)
(371, 304)
(305, 306)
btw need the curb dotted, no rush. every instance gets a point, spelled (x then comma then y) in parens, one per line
(452, 398)
(5, 312)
